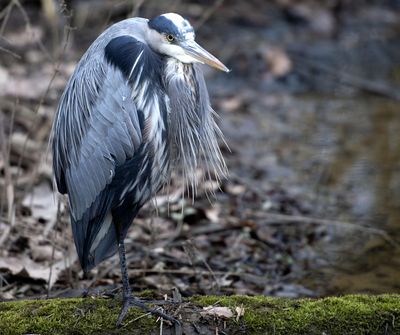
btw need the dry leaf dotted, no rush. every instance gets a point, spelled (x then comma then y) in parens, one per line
(26, 87)
(224, 312)
(279, 63)
(235, 189)
(11, 264)
(43, 252)
(3, 76)
(42, 203)
(212, 213)
(25, 267)
(225, 282)
(231, 104)
(23, 37)
(239, 312)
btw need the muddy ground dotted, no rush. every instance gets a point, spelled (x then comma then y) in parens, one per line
(311, 115)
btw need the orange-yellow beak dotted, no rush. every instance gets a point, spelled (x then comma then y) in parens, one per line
(203, 56)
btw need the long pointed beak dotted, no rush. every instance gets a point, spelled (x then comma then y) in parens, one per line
(203, 56)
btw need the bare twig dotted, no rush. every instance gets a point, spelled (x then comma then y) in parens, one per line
(55, 73)
(5, 152)
(135, 319)
(29, 29)
(136, 7)
(208, 13)
(204, 261)
(10, 52)
(185, 272)
(5, 13)
(161, 326)
(285, 219)
(53, 249)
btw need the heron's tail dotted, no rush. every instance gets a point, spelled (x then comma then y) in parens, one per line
(95, 243)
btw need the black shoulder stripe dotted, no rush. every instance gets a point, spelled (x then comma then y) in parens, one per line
(122, 52)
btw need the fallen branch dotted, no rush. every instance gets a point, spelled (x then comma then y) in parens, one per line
(363, 84)
(285, 219)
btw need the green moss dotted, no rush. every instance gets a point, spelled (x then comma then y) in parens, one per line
(352, 314)
(68, 316)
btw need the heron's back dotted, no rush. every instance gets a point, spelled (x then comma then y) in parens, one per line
(110, 145)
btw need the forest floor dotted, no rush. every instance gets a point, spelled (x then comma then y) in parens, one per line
(262, 231)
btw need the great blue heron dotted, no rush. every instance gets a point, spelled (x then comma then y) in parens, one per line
(136, 105)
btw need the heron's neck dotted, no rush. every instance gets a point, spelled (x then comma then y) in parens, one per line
(192, 130)
(182, 91)
(176, 71)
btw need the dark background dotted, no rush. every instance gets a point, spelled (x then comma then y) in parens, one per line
(311, 115)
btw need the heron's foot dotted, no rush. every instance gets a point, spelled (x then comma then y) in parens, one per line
(135, 302)
(124, 311)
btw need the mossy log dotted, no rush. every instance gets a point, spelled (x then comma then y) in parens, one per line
(352, 314)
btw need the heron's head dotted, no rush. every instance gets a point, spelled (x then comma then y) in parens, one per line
(171, 35)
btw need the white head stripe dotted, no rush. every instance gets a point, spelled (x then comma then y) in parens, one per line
(177, 20)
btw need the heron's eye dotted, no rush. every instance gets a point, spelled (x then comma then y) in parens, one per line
(170, 38)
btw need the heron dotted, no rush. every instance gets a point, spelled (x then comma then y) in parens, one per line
(135, 108)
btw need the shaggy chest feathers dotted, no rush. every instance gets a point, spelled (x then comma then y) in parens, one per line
(192, 131)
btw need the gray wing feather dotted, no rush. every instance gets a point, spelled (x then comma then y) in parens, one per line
(96, 133)
(97, 136)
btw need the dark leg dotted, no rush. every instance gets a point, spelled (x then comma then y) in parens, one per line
(126, 289)
(128, 299)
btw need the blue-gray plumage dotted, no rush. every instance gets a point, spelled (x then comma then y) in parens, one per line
(136, 106)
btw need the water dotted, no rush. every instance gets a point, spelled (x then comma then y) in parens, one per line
(342, 156)
(354, 145)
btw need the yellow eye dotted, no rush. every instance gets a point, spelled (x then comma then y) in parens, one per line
(170, 38)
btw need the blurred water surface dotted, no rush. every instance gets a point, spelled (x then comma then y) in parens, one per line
(343, 156)
(358, 141)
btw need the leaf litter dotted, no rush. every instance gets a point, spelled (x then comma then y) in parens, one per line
(228, 246)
